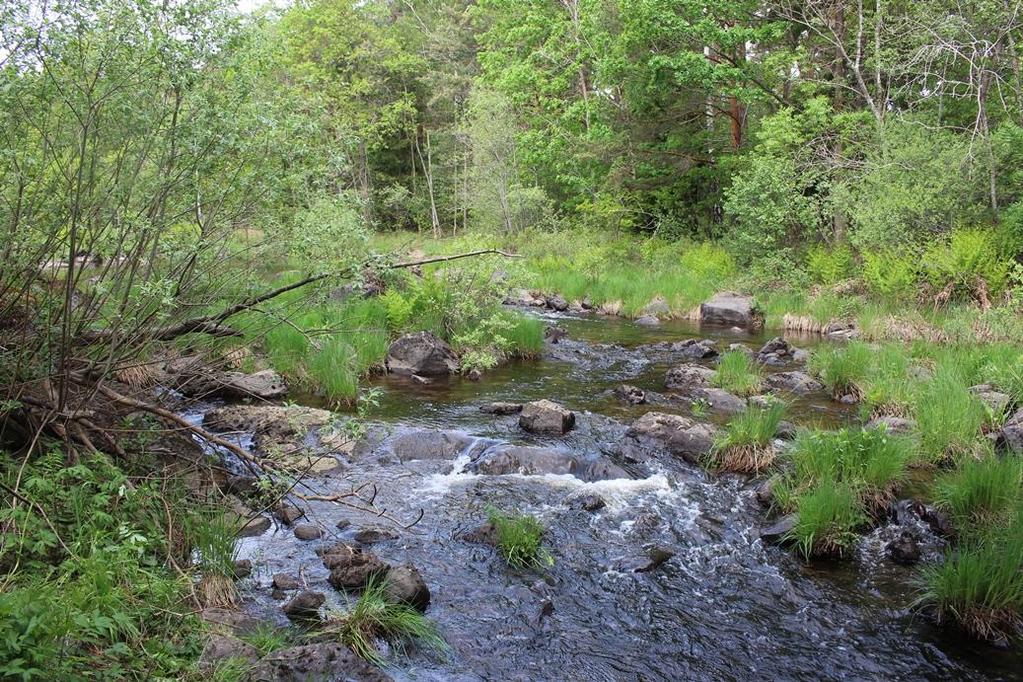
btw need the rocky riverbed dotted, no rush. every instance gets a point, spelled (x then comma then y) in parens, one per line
(662, 571)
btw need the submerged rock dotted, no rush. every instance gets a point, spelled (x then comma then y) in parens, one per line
(698, 349)
(688, 376)
(778, 531)
(283, 581)
(537, 461)
(731, 309)
(630, 394)
(430, 444)
(904, 549)
(648, 321)
(305, 606)
(501, 408)
(353, 569)
(373, 534)
(545, 416)
(778, 351)
(405, 585)
(675, 433)
(423, 354)
(719, 399)
(319, 661)
(891, 424)
(590, 503)
(794, 382)
(554, 334)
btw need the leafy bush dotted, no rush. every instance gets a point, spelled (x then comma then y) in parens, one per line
(830, 266)
(330, 230)
(891, 275)
(520, 540)
(968, 259)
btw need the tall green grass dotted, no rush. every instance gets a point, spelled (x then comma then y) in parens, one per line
(980, 491)
(375, 616)
(738, 373)
(949, 417)
(843, 369)
(828, 516)
(520, 539)
(745, 446)
(979, 586)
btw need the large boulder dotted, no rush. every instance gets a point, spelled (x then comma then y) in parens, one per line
(318, 661)
(732, 310)
(422, 354)
(688, 376)
(679, 435)
(545, 416)
(719, 400)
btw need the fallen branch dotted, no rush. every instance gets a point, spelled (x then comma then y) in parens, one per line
(213, 324)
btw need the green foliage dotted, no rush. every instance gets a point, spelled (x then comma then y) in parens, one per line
(891, 275)
(520, 540)
(980, 491)
(374, 615)
(330, 230)
(738, 373)
(268, 638)
(87, 593)
(830, 265)
(828, 516)
(967, 260)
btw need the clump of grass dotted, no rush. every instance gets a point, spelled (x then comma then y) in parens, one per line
(520, 540)
(871, 461)
(828, 516)
(268, 638)
(887, 388)
(374, 616)
(843, 369)
(524, 335)
(213, 536)
(949, 417)
(334, 370)
(979, 587)
(738, 373)
(745, 446)
(980, 491)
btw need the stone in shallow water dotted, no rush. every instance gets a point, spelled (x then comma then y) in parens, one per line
(546, 416)
(353, 571)
(675, 433)
(283, 581)
(501, 408)
(688, 376)
(319, 661)
(731, 309)
(405, 585)
(590, 503)
(307, 531)
(904, 549)
(430, 444)
(648, 321)
(305, 605)
(794, 382)
(422, 354)
(630, 394)
(777, 531)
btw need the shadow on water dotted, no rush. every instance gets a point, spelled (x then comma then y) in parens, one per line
(724, 607)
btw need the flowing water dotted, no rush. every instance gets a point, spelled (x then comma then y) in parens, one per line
(726, 606)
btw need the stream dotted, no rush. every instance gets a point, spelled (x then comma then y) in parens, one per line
(725, 606)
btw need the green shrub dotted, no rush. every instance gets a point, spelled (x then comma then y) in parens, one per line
(375, 616)
(980, 491)
(843, 369)
(967, 260)
(828, 516)
(738, 373)
(830, 265)
(745, 446)
(520, 540)
(979, 586)
(891, 275)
